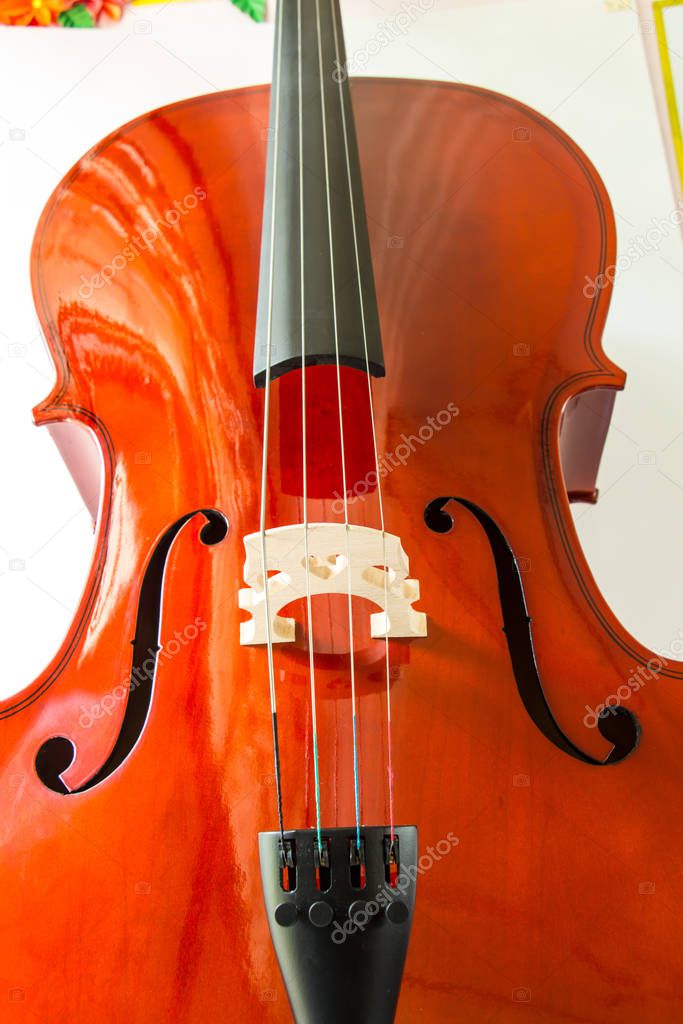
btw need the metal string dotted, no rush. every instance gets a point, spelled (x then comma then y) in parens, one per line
(266, 431)
(390, 770)
(356, 772)
(311, 655)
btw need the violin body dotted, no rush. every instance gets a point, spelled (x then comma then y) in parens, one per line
(129, 866)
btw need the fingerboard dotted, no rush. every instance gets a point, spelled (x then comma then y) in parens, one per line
(316, 288)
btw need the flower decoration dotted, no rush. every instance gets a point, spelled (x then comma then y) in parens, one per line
(256, 9)
(32, 12)
(86, 13)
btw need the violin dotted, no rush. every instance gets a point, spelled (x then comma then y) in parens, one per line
(343, 727)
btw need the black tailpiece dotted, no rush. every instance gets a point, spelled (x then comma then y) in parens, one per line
(340, 919)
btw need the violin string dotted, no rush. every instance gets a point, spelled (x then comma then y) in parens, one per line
(304, 432)
(390, 770)
(347, 528)
(266, 431)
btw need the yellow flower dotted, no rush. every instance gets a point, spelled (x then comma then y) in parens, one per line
(31, 12)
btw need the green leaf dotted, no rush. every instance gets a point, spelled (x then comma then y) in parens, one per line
(77, 17)
(256, 9)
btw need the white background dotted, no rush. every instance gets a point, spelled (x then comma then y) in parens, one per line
(577, 62)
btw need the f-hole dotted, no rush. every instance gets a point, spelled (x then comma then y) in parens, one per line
(617, 725)
(57, 754)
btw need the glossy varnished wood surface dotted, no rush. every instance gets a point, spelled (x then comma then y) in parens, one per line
(140, 899)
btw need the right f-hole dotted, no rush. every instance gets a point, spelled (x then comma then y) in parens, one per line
(436, 518)
(620, 728)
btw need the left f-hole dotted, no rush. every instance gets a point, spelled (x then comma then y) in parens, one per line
(58, 753)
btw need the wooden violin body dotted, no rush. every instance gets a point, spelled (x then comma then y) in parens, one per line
(133, 894)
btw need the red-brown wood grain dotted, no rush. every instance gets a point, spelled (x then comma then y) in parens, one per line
(140, 900)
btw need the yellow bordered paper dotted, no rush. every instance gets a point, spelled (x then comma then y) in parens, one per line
(658, 8)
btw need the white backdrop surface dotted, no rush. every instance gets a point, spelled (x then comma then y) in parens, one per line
(575, 60)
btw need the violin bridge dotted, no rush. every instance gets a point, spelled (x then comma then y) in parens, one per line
(378, 572)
